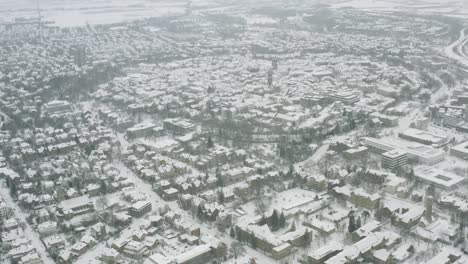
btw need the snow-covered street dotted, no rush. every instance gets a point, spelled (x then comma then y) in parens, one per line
(29, 233)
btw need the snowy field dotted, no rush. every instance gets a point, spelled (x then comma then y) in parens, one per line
(78, 13)
(454, 8)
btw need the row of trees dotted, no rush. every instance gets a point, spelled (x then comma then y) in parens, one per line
(275, 221)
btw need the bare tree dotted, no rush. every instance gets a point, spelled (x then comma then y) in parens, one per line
(237, 249)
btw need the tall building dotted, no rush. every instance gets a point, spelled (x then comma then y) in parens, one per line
(429, 202)
(394, 159)
(423, 123)
(140, 208)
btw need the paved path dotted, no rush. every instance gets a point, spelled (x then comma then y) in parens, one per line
(157, 201)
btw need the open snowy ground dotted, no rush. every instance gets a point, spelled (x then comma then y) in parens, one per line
(457, 8)
(77, 13)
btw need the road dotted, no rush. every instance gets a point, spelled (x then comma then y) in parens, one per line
(29, 233)
(455, 50)
(156, 202)
(310, 164)
(319, 154)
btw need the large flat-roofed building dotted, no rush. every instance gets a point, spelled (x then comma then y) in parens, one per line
(387, 91)
(178, 126)
(297, 201)
(355, 153)
(451, 116)
(460, 150)
(347, 97)
(135, 250)
(57, 107)
(423, 137)
(462, 99)
(325, 252)
(394, 159)
(439, 178)
(197, 255)
(421, 153)
(386, 119)
(140, 208)
(448, 256)
(75, 206)
(140, 130)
